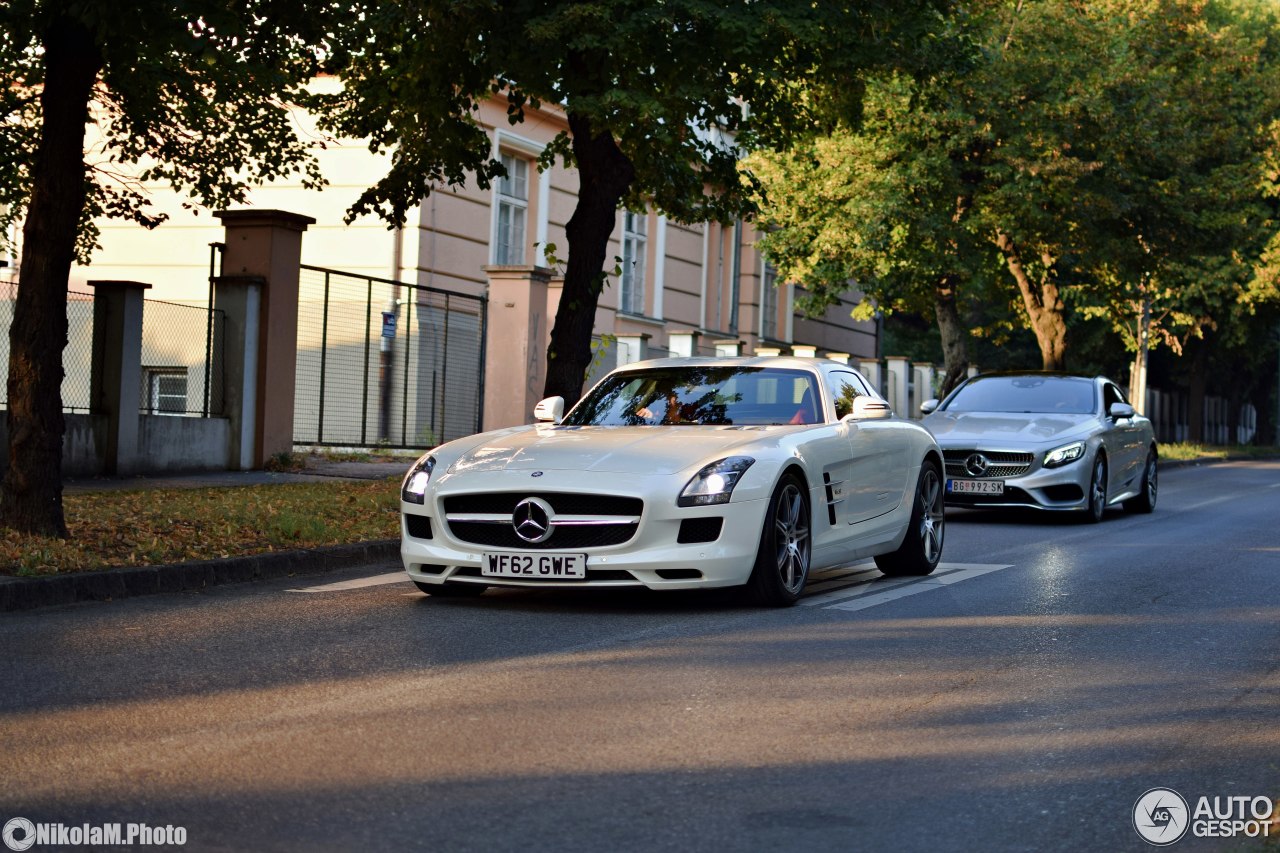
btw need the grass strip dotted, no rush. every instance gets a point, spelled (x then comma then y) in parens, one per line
(162, 526)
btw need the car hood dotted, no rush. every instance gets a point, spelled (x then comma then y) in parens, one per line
(992, 428)
(618, 450)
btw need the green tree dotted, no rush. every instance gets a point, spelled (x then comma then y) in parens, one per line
(186, 93)
(1112, 155)
(653, 93)
(885, 204)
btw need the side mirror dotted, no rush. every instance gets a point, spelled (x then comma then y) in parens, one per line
(928, 407)
(869, 408)
(1121, 411)
(550, 409)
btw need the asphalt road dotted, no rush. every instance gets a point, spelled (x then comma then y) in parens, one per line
(1022, 698)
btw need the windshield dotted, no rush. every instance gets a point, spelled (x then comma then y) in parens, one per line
(1063, 395)
(701, 396)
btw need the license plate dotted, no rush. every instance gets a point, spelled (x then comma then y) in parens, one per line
(535, 566)
(975, 487)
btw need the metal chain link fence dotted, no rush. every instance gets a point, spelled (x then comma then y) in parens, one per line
(77, 358)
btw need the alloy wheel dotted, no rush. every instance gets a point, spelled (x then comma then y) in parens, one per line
(791, 538)
(932, 519)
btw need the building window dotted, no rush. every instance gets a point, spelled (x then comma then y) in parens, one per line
(634, 237)
(166, 391)
(769, 303)
(513, 209)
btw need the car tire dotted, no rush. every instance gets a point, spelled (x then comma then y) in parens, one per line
(451, 590)
(1097, 507)
(786, 549)
(921, 549)
(1146, 500)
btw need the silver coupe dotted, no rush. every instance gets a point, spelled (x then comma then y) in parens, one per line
(1048, 441)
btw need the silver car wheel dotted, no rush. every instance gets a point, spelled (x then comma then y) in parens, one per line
(791, 538)
(1098, 489)
(932, 522)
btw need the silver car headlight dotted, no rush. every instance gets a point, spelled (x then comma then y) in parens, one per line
(714, 483)
(1062, 455)
(414, 488)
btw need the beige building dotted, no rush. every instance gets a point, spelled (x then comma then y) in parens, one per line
(676, 278)
(707, 277)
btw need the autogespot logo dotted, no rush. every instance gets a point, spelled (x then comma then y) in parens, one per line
(19, 834)
(1160, 816)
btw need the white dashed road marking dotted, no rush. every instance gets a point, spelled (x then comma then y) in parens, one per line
(863, 593)
(358, 583)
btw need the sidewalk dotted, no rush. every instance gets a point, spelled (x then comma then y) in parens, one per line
(29, 593)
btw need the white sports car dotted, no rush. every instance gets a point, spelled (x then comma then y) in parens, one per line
(681, 473)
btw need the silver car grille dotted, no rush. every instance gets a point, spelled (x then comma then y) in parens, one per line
(999, 463)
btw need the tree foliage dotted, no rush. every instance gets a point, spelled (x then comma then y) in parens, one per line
(1108, 158)
(660, 100)
(186, 93)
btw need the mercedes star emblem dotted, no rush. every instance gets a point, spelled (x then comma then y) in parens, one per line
(532, 520)
(976, 465)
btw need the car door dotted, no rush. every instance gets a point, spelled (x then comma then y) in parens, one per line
(1125, 441)
(878, 449)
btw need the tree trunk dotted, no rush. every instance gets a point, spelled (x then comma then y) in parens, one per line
(32, 499)
(952, 331)
(604, 176)
(1199, 381)
(1044, 306)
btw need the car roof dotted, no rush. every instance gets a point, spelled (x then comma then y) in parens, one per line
(792, 362)
(1054, 374)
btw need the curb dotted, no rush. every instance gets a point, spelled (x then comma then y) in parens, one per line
(110, 584)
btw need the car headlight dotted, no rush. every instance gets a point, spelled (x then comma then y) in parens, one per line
(414, 488)
(714, 483)
(1063, 455)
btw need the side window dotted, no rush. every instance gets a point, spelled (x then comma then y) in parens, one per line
(844, 388)
(1110, 394)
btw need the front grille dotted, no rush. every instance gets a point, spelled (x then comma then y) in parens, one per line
(579, 521)
(562, 503)
(1000, 463)
(562, 538)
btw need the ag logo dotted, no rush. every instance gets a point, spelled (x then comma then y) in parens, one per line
(19, 834)
(1161, 817)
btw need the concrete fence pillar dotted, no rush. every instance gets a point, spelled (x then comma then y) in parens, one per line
(115, 385)
(683, 342)
(632, 348)
(239, 298)
(842, 357)
(973, 371)
(804, 351)
(514, 372)
(728, 349)
(921, 386)
(897, 369)
(768, 352)
(267, 245)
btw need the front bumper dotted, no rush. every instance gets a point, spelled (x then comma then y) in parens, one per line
(651, 558)
(1062, 489)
